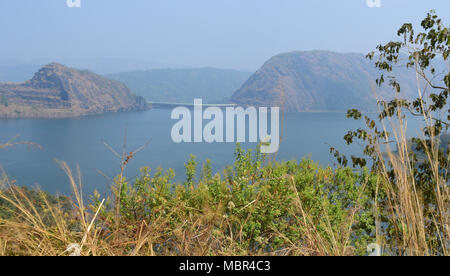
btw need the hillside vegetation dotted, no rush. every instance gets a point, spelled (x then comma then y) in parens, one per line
(183, 85)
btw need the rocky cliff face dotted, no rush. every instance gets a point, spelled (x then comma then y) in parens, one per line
(59, 91)
(317, 81)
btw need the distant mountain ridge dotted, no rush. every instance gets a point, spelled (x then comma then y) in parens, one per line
(17, 72)
(23, 70)
(318, 81)
(59, 91)
(183, 84)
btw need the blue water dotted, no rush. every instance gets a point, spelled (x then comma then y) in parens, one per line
(80, 141)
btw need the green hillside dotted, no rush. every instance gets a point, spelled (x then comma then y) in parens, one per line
(183, 85)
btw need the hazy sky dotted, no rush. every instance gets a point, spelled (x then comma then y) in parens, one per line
(239, 34)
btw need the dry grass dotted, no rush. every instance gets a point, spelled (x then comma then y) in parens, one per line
(418, 224)
(407, 209)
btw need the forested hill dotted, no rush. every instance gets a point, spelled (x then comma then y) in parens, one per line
(183, 85)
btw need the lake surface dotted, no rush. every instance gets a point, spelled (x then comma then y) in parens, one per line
(79, 141)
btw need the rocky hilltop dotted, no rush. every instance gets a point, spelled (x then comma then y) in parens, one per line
(317, 81)
(58, 91)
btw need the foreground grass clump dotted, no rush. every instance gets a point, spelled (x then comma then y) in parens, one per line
(253, 208)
